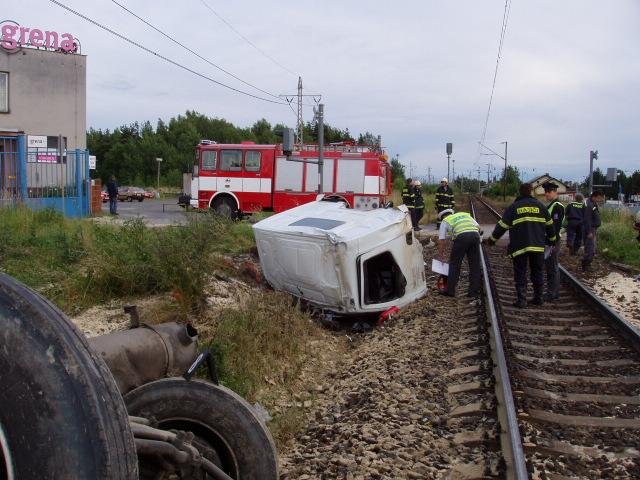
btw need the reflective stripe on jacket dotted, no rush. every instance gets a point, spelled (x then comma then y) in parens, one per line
(444, 198)
(556, 210)
(408, 196)
(530, 226)
(461, 222)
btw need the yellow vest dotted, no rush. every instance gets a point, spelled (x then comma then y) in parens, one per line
(461, 222)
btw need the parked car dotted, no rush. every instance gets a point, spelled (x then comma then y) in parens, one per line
(148, 194)
(104, 196)
(130, 194)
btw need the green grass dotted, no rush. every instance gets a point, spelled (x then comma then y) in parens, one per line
(260, 342)
(79, 263)
(617, 238)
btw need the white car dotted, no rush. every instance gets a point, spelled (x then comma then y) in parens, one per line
(343, 260)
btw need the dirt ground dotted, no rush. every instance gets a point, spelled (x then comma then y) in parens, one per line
(619, 289)
(373, 405)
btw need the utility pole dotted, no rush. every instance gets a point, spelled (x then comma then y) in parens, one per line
(504, 180)
(504, 177)
(320, 120)
(593, 155)
(159, 160)
(453, 172)
(300, 121)
(449, 152)
(488, 173)
(479, 190)
(429, 176)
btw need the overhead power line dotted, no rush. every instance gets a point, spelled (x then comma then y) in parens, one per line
(191, 51)
(503, 31)
(246, 39)
(173, 62)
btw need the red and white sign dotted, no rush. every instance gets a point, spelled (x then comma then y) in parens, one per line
(248, 177)
(14, 36)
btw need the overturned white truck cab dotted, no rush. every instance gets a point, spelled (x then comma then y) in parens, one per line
(343, 260)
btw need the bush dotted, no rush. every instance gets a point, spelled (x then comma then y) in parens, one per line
(617, 238)
(77, 263)
(259, 341)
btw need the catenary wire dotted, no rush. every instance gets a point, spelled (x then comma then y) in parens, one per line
(191, 51)
(246, 39)
(173, 62)
(503, 31)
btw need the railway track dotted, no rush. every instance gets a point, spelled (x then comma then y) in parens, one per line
(567, 378)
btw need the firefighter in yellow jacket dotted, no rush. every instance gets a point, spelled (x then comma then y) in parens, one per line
(465, 232)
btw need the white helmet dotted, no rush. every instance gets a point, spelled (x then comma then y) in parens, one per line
(445, 212)
(444, 180)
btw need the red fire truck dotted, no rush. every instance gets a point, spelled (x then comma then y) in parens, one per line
(241, 178)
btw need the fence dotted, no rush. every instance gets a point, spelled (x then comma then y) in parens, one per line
(42, 178)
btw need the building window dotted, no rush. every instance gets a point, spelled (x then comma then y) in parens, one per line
(231, 161)
(252, 162)
(4, 92)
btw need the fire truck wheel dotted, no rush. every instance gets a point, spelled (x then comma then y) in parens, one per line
(226, 207)
(62, 415)
(227, 430)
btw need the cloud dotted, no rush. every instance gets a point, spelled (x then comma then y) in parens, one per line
(416, 72)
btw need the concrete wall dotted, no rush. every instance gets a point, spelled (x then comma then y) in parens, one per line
(47, 94)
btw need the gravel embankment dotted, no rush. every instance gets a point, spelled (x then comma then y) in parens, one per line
(385, 411)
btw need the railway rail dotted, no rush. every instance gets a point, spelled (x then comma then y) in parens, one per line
(567, 378)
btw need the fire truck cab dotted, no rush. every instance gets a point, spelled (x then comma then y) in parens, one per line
(242, 178)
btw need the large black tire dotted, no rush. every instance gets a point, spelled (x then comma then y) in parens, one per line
(220, 420)
(61, 415)
(226, 207)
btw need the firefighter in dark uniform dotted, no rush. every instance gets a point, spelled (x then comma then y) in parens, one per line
(464, 231)
(574, 215)
(591, 222)
(556, 210)
(530, 230)
(444, 198)
(409, 198)
(418, 205)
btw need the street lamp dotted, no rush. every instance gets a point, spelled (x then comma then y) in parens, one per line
(159, 160)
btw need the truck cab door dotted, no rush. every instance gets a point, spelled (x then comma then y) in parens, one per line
(230, 171)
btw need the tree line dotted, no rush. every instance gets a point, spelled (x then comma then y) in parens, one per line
(129, 152)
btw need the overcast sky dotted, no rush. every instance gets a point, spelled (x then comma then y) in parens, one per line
(418, 73)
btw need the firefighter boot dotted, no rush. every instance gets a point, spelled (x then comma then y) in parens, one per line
(537, 296)
(521, 301)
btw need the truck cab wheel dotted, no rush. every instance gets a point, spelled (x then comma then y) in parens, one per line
(61, 414)
(226, 428)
